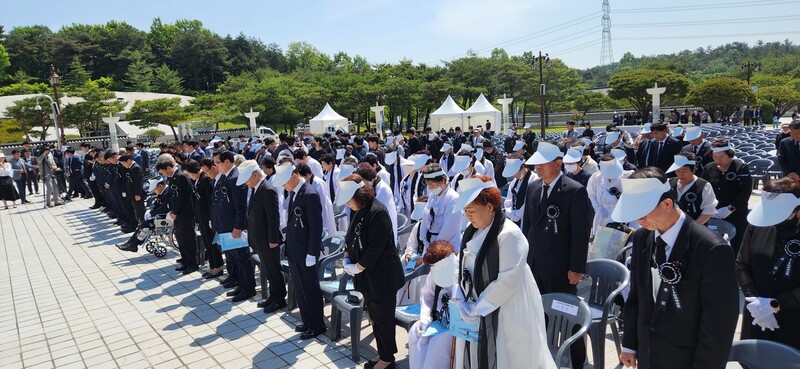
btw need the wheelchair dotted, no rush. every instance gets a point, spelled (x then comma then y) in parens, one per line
(160, 237)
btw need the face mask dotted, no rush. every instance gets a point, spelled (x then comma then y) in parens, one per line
(434, 191)
(570, 167)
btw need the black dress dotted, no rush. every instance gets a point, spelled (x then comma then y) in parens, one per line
(7, 190)
(762, 248)
(733, 187)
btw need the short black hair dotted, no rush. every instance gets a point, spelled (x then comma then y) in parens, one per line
(207, 162)
(327, 159)
(129, 149)
(302, 169)
(299, 154)
(109, 154)
(268, 162)
(226, 156)
(125, 157)
(794, 125)
(14, 152)
(290, 140)
(191, 166)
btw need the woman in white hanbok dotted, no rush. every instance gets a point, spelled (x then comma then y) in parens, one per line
(605, 188)
(496, 287)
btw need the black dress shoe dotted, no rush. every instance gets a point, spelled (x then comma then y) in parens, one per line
(370, 364)
(264, 303)
(179, 260)
(180, 268)
(275, 306)
(210, 275)
(234, 292)
(232, 284)
(131, 248)
(301, 328)
(243, 296)
(311, 333)
(190, 269)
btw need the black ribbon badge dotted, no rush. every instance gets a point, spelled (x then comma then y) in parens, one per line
(553, 212)
(670, 273)
(298, 216)
(691, 197)
(615, 192)
(791, 250)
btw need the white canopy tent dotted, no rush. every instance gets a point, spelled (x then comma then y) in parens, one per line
(327, 118)
(481, 111)
(449, 115)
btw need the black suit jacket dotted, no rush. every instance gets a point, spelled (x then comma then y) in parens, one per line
(76, 166)
(263, 219)
(551, 255)
(699, 336)
(789, 156)
(180, 197)
(203, 195)
(134, 182)
(304, 225)
(667, 154)
(703, 156)
(230, 208)
(370, 243)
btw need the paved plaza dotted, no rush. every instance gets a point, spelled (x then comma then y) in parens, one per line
(73, 300)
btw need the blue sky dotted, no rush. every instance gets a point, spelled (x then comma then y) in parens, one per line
(428, 31)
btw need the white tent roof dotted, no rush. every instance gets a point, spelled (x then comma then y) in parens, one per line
(328, 115)
(448, 107)
(482, 106)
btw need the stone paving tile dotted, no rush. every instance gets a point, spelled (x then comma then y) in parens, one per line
(77, 302)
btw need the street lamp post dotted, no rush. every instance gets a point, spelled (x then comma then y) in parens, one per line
(749, 68)
(54, 106)
(542, 61)
(55, 80)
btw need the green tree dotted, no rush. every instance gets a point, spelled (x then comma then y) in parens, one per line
(98, 102)
(632, 85)
(140, 75)
(23, 114)
(587, 101)
(4, 63)
(781, 96)
(246, 54)
(153, 134)
(30, 49)
(167, 81)
(159, 111)
(76, 76)
(721, 94)
(200, 58)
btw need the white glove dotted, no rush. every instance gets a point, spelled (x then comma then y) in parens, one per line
(763, 314)
(352, 269)
(147, 215)
(422, 326)
(467, 310)
(311, 260)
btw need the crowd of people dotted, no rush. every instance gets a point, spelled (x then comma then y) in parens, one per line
(498, 227)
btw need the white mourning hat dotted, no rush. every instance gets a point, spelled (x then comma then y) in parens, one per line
(460, 163)
(612, 136)
(479, 154)
(282, 174)
(419, 211)
(610, 169)
(346, 191)
(519, 145)
(420, 160)
(692, 133)
(527, 125)
(443, 271)
(545, 153)
(215, 140)
(639, 197)
(445, 147)
(466, 148)
(246, 170)
(346, 170)
(340, 153)
(619, 154)
(680, 161)
(646, 128)
(512, 167)
(772, 209)
(390, 158)
(677, 132)
(574, 155)
(153, 182)
(468, 190)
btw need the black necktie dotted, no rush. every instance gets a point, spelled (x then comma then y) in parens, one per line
(330, 184)
(661, 251)
(545, 192)
(291, 201)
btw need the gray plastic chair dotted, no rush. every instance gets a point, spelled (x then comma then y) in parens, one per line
(401, 318)
(763, 354)
(759, 170)
(324, 263)
(560, 325)
(608, 279)
(725, 229)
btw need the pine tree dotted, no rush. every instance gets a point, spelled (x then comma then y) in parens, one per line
(77, 75)
(167, 81)
(139, 76)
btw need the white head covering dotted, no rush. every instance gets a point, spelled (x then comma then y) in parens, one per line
(646, 128)
(246, 170)
(610, 169)
(256, 147)
(574, 155)
(680, 161)
(677, 132)
(519, 145)
(468, 190)
(282, 174)
(527, 125)
(215, 140)
(346, 170)
(692, 133)
(445, 147)
(340, 153)
(512, 167)
(152, 183)
(466, 148)
(419, 211)
(460, 163)
(346, 191)
(612, 136)
(442, 271)
(772, 209)
(479, 154)
(420, 160)
(390, 158)
(545, 153)
(619, 154)
(639, 197)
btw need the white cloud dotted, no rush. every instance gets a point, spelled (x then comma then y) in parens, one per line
(483, 21)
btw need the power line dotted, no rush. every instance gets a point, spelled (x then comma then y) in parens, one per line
(707, 36)
(684, 8)
(711, 22)
(562, 40)
(583, 46)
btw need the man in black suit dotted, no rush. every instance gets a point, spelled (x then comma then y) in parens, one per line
(134, 187)
(558, 217)
(457, 140)
(263, 231)
(663, 148)
(303, 244)
(699, 147)
(688, 268)
(789, 152)
(181, 211)
(414, 143)
(230, 216)
(73, 169)
(529, 137)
